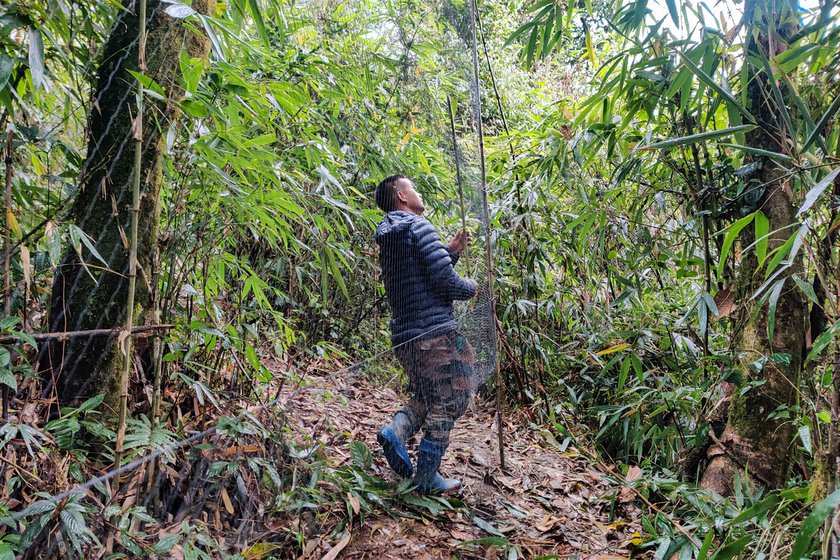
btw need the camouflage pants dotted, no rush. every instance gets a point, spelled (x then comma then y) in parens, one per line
(440, 372)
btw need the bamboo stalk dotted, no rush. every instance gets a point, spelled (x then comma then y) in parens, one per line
(137, 132)
(7, 291)
(7, 241)
(486, 207)
(157, 350)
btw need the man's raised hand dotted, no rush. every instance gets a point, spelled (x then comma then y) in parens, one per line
(460, 242)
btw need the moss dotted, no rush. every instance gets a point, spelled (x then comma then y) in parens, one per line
(83, 367)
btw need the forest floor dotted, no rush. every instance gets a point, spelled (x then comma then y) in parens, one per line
(549, 503)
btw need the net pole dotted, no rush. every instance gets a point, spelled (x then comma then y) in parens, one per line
(137, 133)
(486, 212)
(458, 176)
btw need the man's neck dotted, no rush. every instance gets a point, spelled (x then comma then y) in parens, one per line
(403, 208)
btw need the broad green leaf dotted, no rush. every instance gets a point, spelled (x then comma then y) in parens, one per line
(7, 378)
(805, 436)
(812, 524)
(361, 455)
(731, 234)
(179, 10)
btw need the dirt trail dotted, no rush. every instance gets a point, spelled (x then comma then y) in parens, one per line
(548, 503)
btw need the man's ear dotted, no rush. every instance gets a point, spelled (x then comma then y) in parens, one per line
(401, 195)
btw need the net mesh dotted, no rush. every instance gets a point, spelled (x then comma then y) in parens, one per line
(206, 470)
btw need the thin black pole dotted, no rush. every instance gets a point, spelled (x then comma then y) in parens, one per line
(458, 175)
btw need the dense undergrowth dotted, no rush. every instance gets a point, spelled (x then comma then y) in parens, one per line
(616, 269)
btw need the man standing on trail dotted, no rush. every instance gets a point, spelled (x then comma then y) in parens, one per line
(421, 284)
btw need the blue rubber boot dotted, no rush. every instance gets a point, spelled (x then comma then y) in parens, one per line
(427, 480)
(392, 439)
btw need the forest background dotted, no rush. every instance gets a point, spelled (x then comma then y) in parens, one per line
(663, 185)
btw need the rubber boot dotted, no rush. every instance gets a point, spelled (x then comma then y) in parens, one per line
(392, 439)
(427, 480)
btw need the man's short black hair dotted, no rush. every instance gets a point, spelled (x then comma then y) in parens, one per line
(386, 193)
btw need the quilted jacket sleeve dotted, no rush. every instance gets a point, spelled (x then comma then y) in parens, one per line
(436, 259)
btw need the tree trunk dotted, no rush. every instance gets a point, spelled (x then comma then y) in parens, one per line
(752, 439)
(81, 367)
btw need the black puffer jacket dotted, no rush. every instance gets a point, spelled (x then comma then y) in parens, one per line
(419, 276)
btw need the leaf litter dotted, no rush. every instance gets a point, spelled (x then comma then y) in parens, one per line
(547, 502)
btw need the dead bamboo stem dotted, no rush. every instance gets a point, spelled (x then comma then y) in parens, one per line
(138, 331)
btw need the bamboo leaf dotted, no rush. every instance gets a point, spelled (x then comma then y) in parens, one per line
(717, 88)
(700, 137)
(707, 544)
(6, 66)
(812, 524)
(757, 151)
(762, 229)
(253, 5)
(733, 549)
(731, 235)
(822, 342)
(835, 105)
(590, 50)
(761, 507)
(817, 190)
(773, 302)
(36, 57)
(675, 14)
(781, 104)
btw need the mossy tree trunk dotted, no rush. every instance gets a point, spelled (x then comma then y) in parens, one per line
(94, 297)
(756, 438)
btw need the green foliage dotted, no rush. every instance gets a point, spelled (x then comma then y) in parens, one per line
(624, 202)
(81, 428)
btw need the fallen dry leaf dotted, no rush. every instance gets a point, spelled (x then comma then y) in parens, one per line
(333, 553)
(354, 502)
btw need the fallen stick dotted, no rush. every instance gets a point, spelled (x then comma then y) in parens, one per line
(141, 330)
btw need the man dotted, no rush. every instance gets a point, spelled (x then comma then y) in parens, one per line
(421, 284)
